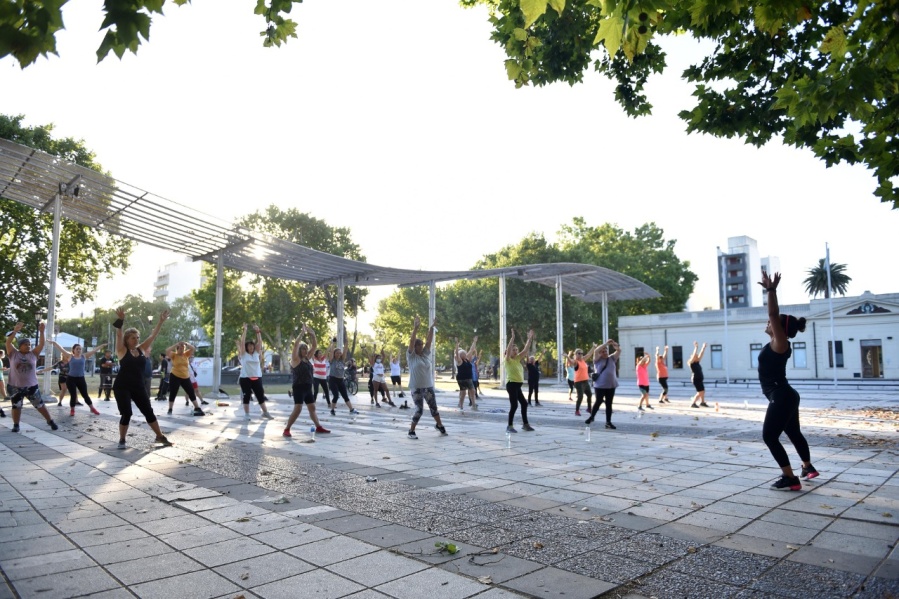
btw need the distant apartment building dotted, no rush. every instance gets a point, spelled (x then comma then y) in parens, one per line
(177, 280)
(739, 268)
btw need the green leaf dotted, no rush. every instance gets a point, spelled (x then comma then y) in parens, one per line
(513, 69)
(558, 5)
(520, 34)
(451, 549)
(610, 34)
(533, 10)
(834, 43)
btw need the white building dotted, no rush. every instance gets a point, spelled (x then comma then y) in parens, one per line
(177, 279)
(865, 336)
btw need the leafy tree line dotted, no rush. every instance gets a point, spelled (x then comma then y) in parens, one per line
(469, 308)
(820, 74)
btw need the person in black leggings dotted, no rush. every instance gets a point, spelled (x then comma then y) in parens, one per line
(129, 384)
(783, 401)
(514, 381)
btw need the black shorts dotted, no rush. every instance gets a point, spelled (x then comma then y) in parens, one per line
(644, 388)
(302, 394)
(698, 385)
(396, 380)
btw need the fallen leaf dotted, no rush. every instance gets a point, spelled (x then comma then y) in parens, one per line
(887, 515)
(485, 580)
(538, 545)
(245, 575)
(792, 547)
(243, 519)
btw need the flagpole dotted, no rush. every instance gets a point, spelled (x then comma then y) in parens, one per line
(833, 342)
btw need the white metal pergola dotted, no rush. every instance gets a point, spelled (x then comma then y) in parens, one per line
(49, 183)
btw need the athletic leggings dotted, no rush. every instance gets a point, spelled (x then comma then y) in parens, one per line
(603, 395)
(583, 388)
(124, 395)
(534, 389)
(176, 382)
(338, 387)
(77, 383)
(248, 387)
(323, 383)
(783, 417)
(516, 398)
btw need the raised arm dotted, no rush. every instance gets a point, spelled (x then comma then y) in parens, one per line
(528, 343)
(120, 348)
(508, 354)
(589, 355)
(474, 347)
(313, 341)
(295, 355)
(146, 345)
(430, 338)
(242, 342)
(40, 340)
(12, 335)
(456, 353)
(95, 350)
(611, 343)
(66, 356)
(259, 347)
(779, 341)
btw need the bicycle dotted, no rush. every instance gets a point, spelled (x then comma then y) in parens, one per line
(352, 387)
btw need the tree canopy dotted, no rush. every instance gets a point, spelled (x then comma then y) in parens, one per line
(820, 74)
(280, 306)
(468, 308)
(816, 281)
(26, 237)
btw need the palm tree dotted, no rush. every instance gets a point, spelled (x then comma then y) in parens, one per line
(816, 282)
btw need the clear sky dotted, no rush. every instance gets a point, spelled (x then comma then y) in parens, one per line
(397, 120)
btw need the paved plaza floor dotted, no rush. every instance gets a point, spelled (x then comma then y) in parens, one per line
(674, 503)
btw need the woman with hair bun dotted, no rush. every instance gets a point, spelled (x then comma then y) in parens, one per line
(783, 401)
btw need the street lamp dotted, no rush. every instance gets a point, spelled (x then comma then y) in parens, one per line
(37, 326)
(79, 333)
(574, 324)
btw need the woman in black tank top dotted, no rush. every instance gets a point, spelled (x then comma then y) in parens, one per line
(129, 384)
(783, 407)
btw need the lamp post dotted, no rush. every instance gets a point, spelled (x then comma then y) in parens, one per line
(574, 324)
(79, 334)
(37, 327)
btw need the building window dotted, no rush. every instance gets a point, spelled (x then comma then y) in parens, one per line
(717, 361)
(735, 287)
(733, 274)
(754, 349)
(677, 356)
(839, 352)
(800, 358)
(735, 299)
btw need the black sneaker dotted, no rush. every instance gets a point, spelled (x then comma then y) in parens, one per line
(809, 473)
(121, 444)
(161, 440)
(2, 413)
(203, 402)
(694, 406)
(412, 435)
(169, 412)
(199, 412)
(787, 483)
(53, 425)
(15, 428)
(609, 425)
(333, 413)
(588, 421)
(527, 427)
(441, 428)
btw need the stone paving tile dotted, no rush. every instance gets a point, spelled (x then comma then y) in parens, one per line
(498, 566)
(552, 582)
(351, 523)
(791, 579)
(121, 551)
(17, 568)
(107, 535)
(75, 583)
(226, 552)
(264, 569)
(296, 534)
(424, 585)
(331, 550)
(37, 546)
(376, 568)
(838, 560)
(317, 583)
(204, 584)
(153, 567)
(196, 536)
(878, 588)
(178, 523)
(390, 535)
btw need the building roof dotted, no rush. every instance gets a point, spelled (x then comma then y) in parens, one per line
(91, 198)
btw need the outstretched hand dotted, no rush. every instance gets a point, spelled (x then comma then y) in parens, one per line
(120, 313)
(770, 283)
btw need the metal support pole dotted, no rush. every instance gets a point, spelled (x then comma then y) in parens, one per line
(502, 329)
(217, 341)
(560, 353)
(341, 298)
(51, 301)
(605, 318)
(432, 314)
(724, 306)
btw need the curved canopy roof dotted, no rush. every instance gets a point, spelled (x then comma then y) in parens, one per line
(34, 178)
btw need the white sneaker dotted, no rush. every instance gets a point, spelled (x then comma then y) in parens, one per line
(267, 416)
(247, 417)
